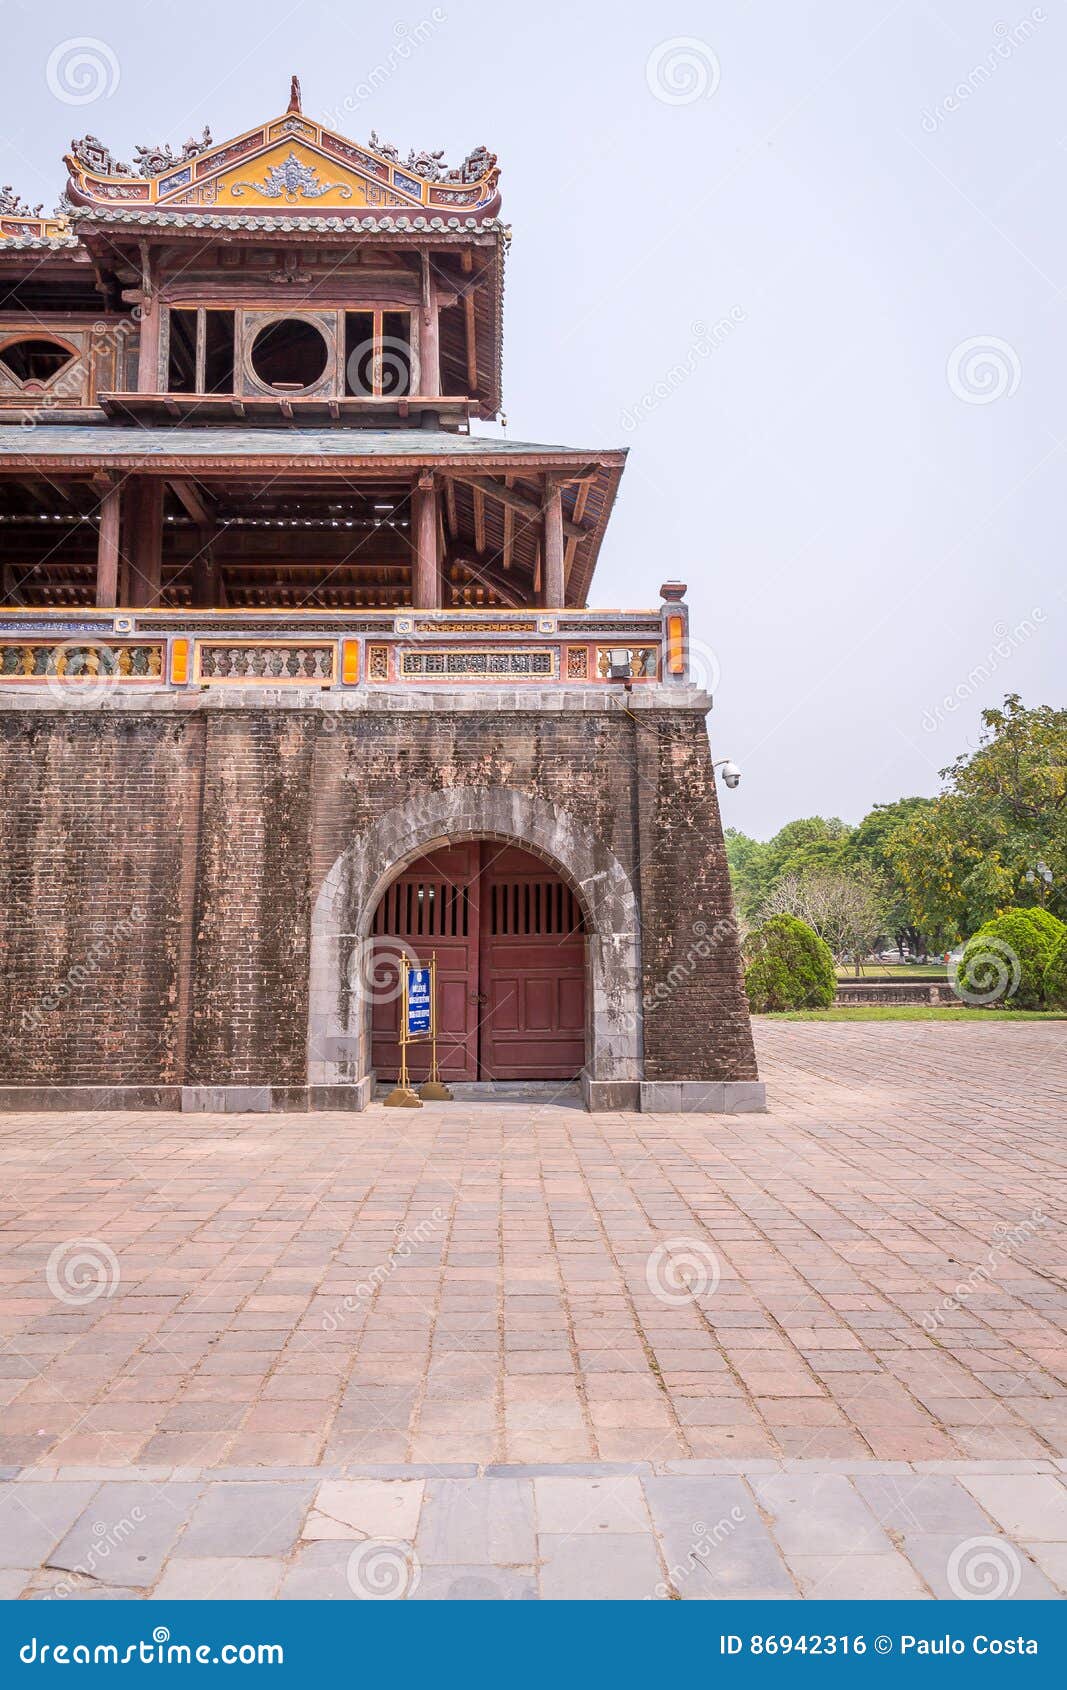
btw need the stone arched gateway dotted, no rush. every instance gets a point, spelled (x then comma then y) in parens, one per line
(339, 1019)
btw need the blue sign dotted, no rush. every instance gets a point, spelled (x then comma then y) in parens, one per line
(418, 1002)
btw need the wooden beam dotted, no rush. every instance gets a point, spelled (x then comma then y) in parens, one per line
(107, 548)
(505, 495)
(479, 518)
(572, 545)
(552, 584)
(450, 509)
(193, 501)
(489, 576)
(509, 526)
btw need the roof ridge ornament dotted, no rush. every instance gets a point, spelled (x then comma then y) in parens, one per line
(91, 152)
(152, 161)
(428, 164)
(294, 95)
(12, 205)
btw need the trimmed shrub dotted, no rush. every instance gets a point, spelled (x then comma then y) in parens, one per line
(1056, 976)
(1047, 923)
(1004, 964)
(787, 966)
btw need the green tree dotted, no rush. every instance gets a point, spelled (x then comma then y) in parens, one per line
(869, 853)
(997, 836)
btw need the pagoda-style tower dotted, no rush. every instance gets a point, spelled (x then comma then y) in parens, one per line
(296, 673)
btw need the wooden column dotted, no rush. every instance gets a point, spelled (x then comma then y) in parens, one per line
(144, 541)
(552, 569)
(107, 548)
(207, 576)
(425, 585)
(429, 335)
(148, 376)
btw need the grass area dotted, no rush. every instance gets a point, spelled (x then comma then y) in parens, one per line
(898, 971)
(914, 1012)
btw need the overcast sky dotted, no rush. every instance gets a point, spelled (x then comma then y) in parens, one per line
(805, 260)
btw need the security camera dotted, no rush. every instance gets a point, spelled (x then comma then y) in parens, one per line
(731, 774)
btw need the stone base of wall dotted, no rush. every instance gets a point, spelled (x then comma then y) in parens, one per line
(195, 1100)
(703, 1097)
(664, 1097)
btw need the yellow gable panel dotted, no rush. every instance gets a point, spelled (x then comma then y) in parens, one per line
(293, 176)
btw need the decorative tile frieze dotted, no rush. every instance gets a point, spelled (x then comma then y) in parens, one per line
(479, 665)
(296, 663)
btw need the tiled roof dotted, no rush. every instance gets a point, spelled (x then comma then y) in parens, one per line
(403, 223)
(101, 439)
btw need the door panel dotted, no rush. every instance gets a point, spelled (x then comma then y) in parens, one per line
(532, 970)
(431, 908)
(510, 949)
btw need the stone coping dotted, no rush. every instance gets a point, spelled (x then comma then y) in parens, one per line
(136, 698)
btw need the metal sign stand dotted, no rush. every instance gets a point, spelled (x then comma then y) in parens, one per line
(403, 1096)
(434, 1089)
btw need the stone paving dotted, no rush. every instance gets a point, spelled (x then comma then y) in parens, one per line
(872, 1272)
(689, 1531)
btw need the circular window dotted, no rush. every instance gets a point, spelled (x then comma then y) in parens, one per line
(289, 356)
(35, 360)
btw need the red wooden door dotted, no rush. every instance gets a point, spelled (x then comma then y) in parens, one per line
(532, 970)
(431, 908)
(510, 950)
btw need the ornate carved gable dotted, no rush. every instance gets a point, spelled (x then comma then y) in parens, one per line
(290, 164)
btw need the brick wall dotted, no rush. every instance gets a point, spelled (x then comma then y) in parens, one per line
(217, 828)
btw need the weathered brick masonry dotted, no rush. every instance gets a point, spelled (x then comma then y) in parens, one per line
(158, 872)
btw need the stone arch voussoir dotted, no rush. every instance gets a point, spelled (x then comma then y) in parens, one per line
(339, 1030)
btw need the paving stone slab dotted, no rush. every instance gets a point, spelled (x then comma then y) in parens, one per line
(983, 1568)
(34, 1516)
(1025, 1505)
(475, 1521)
(714, 1542)
(123, 1536)
(224, 1580)
(868, 1578)
(246, 1518)
(819, 1514)
(600, 1567)
(476, 1584)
